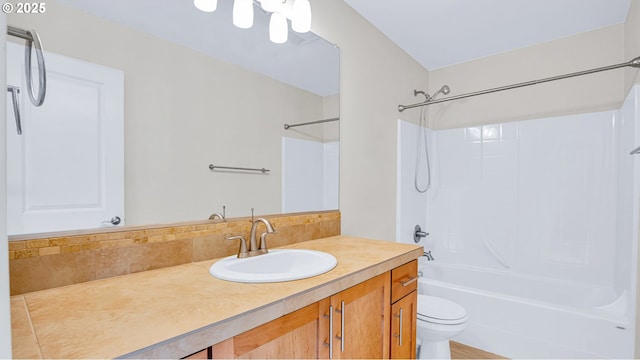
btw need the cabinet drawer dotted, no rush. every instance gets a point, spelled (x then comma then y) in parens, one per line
(404, 280)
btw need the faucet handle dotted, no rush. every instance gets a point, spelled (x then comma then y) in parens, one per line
(242, 251)
(263, 241)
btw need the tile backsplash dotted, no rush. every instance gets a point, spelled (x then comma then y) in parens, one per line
(51, 260)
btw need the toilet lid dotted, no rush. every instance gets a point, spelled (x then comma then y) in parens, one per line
(439, 310)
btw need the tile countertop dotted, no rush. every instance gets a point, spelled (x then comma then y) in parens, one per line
(176, 311)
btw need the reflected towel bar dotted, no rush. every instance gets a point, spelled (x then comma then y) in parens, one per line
(287, 126)
(214, 167)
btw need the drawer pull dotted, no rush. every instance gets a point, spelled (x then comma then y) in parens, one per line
(400, 327)
(406, 283)
(330, 344)
(342, 315)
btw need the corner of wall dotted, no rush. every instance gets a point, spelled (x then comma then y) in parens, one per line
(5, 307)
(632, 43)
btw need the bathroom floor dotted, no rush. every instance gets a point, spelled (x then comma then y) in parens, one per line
(462, 351)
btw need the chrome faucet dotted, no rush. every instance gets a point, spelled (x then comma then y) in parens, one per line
(428, 255)
(216, 215)
(254, 249)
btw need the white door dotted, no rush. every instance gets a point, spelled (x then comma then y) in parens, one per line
(66, 170)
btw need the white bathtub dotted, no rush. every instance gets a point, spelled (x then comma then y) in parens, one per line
(521, 316)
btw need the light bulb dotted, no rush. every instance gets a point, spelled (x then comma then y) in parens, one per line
(243, 13)
(278, 29)
(271, 5)
(206, 5)
(301, 21)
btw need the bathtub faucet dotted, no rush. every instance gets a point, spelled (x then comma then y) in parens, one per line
(428, 255)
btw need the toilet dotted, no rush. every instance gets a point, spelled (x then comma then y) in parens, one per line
(439, 320)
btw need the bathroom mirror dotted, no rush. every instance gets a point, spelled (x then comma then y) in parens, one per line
(195, 91)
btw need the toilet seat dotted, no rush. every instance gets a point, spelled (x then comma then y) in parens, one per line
(440, 311)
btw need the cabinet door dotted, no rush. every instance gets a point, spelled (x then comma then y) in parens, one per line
(361, 320)
(403, 327)
(294, 335)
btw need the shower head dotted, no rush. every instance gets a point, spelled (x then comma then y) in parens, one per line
(444, 90)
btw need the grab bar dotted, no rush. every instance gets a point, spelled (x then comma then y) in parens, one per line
(213, 167)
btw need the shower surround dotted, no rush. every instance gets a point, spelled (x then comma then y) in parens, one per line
(525, 203)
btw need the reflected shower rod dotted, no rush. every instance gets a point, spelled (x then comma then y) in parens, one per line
(633, 63)
(287, 126)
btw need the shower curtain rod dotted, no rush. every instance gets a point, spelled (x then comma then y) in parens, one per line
(287, 126)
(633, 63)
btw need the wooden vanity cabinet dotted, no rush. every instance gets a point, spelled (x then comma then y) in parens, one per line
(404, 310)
(353, 323)
(295, 335)
(358, 322)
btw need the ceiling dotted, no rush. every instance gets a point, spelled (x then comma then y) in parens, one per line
(440, 33)
(437, 33)
(305, 60)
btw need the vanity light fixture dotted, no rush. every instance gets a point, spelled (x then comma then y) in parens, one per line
(301, 20)
(278, 29)
(270, 5)
(206, 5)
(298, 11)
(243, 13)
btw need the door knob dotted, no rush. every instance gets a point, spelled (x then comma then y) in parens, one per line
(114, 220)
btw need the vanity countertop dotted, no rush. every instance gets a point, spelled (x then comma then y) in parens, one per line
(176, 311)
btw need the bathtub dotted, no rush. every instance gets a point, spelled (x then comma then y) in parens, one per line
(520, 316)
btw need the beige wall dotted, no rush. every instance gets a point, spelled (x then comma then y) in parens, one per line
(567, 55)
(632, 50)
(183, 111)
(375, 76)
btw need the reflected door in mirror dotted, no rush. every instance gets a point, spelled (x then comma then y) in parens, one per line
(66, 170)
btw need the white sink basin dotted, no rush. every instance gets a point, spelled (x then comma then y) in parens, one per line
(276, 266)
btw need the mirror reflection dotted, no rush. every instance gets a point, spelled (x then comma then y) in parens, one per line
(142, 97)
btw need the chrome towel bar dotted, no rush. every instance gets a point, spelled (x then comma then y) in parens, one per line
(214, 167)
